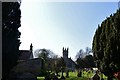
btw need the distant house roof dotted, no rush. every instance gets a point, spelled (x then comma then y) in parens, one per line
(25, 55)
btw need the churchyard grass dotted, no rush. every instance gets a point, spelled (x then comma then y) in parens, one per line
(73, 76)
(40, 78)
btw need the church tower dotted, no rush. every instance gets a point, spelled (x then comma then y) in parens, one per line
(65, 53)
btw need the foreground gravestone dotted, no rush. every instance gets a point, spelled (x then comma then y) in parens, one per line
(79, 74)
(96, 77)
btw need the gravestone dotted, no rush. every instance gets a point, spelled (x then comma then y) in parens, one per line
(79, 74)
(96, 77)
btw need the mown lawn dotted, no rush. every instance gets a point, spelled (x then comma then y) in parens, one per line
(73, 76)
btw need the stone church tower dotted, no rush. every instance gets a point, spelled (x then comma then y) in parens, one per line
(65, 53)
(70, 64)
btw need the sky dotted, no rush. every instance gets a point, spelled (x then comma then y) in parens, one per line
(54, 25)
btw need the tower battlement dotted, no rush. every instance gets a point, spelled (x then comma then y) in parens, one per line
(65, 53)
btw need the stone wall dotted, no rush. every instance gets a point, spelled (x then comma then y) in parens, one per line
(30, 68)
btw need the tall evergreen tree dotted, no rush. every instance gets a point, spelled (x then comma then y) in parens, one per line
(106, 45)
(10, 36)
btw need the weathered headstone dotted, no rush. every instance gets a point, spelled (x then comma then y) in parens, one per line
(96, 77)
(79, 74)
